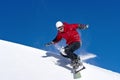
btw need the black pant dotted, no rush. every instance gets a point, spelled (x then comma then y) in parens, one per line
(69, 50)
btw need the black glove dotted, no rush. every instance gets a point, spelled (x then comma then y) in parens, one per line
(83, 26)
(50, 43)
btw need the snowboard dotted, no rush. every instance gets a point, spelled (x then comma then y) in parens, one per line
(76, 75)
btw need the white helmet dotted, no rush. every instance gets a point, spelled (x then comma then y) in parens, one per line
(59, 24)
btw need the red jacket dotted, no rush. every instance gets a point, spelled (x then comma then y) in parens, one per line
(70, 34)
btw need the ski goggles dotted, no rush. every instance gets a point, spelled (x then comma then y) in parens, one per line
(60, 28)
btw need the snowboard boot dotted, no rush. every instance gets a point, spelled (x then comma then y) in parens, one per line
(77, 64)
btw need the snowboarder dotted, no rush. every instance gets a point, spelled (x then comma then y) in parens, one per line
(73, 41)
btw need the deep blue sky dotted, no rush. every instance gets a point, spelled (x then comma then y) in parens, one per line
(32, 23)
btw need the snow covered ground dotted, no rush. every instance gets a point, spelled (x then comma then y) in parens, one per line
(19, 62)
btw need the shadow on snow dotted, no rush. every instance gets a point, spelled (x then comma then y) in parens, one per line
(61, 61)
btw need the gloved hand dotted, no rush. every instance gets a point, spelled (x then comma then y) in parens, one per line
(87, 26)
(83, 26)
(50, 43)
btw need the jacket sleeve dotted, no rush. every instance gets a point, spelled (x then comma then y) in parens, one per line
(57, 38)
(74, 26)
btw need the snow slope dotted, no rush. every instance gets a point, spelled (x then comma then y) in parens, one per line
(19, 62)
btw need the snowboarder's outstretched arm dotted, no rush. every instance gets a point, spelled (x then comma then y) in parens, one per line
(79, 26)
(55, 40)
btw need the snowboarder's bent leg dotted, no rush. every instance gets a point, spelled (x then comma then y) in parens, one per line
(70, 49)
(75, 59)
